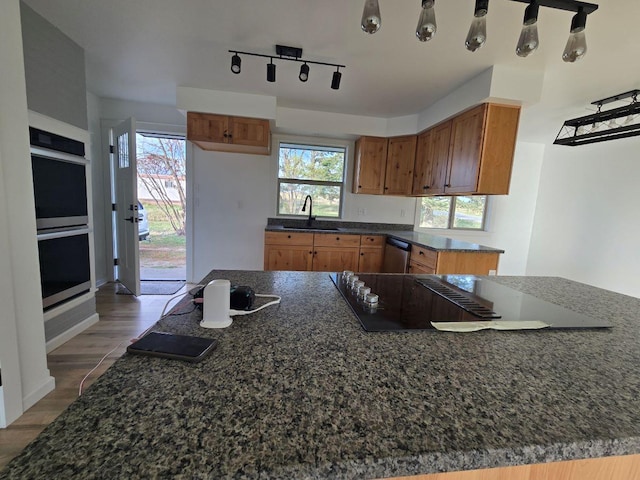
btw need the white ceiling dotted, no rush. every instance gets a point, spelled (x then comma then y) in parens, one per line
(143, 49)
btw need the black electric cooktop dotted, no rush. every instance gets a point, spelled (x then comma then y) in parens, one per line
(412, 302)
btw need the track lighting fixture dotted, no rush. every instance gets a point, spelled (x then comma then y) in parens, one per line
(426, 28)
(478, 30)
(528, 42)
(576, 46)
(271, 72)
(620, 122)
(371, 21)
(235, 64)
(304, 72)
(292, 54)
(335, 81)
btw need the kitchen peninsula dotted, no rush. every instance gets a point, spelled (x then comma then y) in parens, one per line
(300, 390)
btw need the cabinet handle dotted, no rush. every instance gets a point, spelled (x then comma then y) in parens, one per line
(310, 253)
(448, 185)
(426, 187)
(362, 254)
(386, 188)
(288, 236)
(337, 238)
(420, 252)
(359, 186)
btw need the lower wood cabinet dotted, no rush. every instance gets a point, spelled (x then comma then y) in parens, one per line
(371, 253)
(425, 261)
(323, 252)
(335, 259)
(288, 251)
(335, 252)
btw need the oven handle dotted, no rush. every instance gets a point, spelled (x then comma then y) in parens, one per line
(67, 232)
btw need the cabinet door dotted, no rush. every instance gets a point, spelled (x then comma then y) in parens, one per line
(370, 163)
(371, 259)
(401, 157)
(205, 127)
(422, 167)
(292, 257)
(333, 259)
(253, 132)
(465, 151)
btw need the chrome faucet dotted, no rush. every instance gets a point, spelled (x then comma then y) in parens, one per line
(304, 207)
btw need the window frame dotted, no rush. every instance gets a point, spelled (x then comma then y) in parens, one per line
(309, 144)
(451, 218)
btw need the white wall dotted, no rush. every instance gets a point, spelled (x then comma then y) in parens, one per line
(25, 377)
(587, 223)
(510, 217)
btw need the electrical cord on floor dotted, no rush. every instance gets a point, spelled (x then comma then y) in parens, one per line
(162, 315)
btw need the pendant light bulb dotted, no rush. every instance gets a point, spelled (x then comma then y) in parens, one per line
(371, 20)
(478, 30)
(528, 41)
(576, 47)
(427, 27)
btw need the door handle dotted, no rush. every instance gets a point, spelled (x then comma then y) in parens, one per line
(131, 219)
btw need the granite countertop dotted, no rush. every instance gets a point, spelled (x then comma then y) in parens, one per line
(400, 231)
(300, 390)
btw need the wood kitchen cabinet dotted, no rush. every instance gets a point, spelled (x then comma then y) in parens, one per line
(335, 252)
(401, 154)
(432, 158)
(472, 153)
(384, 165)
(425, 261)
(229, 134)
(288, 251)
(371, 253)
(370, 165)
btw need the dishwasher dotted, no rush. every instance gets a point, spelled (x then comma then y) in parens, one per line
(396, 256)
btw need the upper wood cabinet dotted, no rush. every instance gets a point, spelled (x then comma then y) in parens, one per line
(471, 153)
(370, 165)
(432, 158)
(229, 134)
(401, 154)
(384, 165)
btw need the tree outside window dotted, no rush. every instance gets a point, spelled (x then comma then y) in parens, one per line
(310, 170)
(462, 212)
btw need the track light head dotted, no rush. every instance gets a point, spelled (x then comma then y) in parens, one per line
(335, 81)
(478, 30)
(576, 47)
(271, 72)
(235, 63)
(528, 41)
(426, 28)
(304, 72)
(371, 20)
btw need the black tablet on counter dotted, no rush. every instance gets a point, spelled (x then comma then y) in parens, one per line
(176, 347)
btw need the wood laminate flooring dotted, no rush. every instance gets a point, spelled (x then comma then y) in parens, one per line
(122, 318)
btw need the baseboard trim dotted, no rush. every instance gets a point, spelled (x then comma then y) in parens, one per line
(34, 397)
(72, 332)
